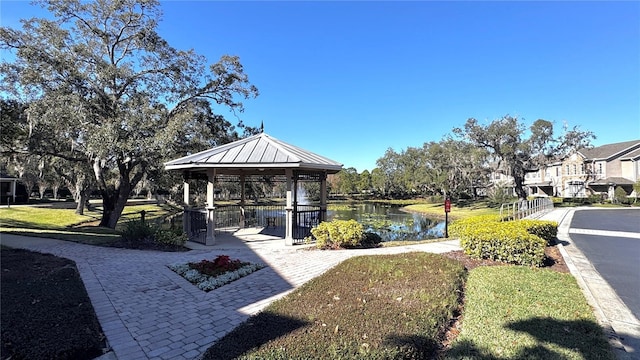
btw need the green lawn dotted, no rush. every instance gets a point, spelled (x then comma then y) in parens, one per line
(65, 224)
(457, 212)
(374, 307)
(514, 312)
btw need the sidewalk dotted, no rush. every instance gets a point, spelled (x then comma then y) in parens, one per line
(621, 326)
(149, 312)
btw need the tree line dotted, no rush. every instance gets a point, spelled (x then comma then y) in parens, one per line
(460, 164)
(94, 99)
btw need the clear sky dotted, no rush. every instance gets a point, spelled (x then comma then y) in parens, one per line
(349, 80)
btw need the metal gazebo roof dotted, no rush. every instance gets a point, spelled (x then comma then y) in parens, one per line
(259, 153)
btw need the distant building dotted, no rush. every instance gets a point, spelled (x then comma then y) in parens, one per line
(8, 187)
(595, 171)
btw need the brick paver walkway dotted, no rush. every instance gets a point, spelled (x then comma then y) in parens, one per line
(149, 312)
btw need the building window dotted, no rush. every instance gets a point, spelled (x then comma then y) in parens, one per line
(567, 170)
(581, 168)
(575, 169)
(599, 168)
(558, 171)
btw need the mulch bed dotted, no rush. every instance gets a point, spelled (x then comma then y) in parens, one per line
(45, 310)
(553, 260)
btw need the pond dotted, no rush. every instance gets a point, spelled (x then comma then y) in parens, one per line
(389, 221)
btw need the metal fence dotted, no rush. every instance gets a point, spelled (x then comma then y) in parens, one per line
(525, 208)
(267, 216)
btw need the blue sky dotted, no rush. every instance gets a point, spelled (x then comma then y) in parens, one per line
(349, 80)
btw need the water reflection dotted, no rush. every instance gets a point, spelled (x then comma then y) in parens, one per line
(388, 221)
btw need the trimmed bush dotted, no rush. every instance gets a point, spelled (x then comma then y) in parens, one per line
(519, 242)
(548, 230)
(460, 228)
(137, 232)
(338, 234)
(507, 242)
(171, 237)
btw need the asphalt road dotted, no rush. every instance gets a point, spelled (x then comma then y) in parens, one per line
(615, 256)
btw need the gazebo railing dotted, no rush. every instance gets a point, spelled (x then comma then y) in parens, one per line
(308, 216)
(194, 223)
(268, 216)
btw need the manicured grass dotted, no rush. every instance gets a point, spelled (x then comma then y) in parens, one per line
(43, 217)
(457, 212)
(373, 307)
(514, 312)
(65, 224)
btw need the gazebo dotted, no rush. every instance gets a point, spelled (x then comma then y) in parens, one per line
(254, 157)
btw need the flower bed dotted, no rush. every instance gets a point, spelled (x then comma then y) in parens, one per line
(208, 275)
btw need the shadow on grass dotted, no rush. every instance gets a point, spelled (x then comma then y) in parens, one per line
(586, 338)
(12, 223)
(85, 235)
(414, 346)
(583, 336)
(253, 333)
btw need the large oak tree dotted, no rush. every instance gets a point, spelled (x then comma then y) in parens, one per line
(106, 90)
(511, 146)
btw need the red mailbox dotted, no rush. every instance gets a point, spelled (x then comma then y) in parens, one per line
(447, 205)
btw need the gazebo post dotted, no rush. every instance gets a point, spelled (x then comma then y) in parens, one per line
(211, 209)
(323, 197)
(288, 238)
(186, 215)
(242, 200)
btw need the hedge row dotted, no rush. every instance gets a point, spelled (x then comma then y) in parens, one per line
(516, 242)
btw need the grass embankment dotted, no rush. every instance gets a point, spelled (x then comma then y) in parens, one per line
(377, 307)
(65, 224)
(457, 212)
(397, 306)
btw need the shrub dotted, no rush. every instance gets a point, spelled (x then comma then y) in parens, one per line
(137, 231)
(171, 236)
(548, 230)
(460, 227)
(518, 242)
(338, 233)
(371, 239)
(507, 242)
(620, 196)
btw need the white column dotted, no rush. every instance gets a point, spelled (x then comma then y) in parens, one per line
(185, 195)
(242, 199)
(211, 213)
(186, 218)
(288, 238)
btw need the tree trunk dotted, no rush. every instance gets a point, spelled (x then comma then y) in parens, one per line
(518, 180)
(113, 202)
(81, 199)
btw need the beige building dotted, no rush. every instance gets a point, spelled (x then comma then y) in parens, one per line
(595, 171)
